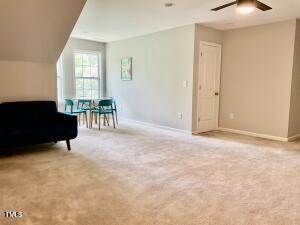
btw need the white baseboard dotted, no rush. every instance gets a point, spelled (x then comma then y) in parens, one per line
(265, 136)
(252, 134)
(156, 126)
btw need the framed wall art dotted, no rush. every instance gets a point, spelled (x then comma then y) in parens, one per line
(126, 68)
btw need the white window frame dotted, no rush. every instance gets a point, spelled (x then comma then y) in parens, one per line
(60, 76)
(99, 54)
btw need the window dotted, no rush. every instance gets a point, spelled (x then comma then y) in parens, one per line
(59, 67)
(87, 75)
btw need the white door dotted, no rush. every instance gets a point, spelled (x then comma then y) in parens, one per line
(208, 86)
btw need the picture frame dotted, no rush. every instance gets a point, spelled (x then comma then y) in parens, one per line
(126, 68)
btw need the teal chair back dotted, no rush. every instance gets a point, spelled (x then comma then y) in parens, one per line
(106, 103)
(69, 105)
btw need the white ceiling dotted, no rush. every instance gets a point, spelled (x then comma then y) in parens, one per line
(110, 20)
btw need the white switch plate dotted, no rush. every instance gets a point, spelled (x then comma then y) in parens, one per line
(185, 84)
(179, 116)
(231, 116)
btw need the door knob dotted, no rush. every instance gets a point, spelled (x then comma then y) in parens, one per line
(216, 93)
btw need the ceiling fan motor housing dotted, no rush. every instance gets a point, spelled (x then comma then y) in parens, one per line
(244, 3)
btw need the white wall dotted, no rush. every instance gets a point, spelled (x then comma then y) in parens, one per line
(256, 78)
(161, 63)
(69, 90)
(33, 34)
(27, 81)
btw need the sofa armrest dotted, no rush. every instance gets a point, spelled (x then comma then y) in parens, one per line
(67, 120)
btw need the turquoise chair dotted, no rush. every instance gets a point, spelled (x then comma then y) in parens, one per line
(86, 105)
(105, 107)
(69, 109)
(115, 110)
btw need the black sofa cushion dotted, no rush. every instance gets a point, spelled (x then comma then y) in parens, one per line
(15, 114)
(27, 123)
(1, 119)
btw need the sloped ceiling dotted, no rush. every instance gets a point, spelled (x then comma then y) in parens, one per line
(36, 30)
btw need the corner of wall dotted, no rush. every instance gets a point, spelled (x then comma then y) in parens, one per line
(195, 79)
(294, 110)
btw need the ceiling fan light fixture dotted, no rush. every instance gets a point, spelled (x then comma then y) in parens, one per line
(245, 6)
(245, 9)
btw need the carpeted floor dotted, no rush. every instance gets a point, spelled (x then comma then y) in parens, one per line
(137, 175)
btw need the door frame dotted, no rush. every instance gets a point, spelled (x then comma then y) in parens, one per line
(219, 46)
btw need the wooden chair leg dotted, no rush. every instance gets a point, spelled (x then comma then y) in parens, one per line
(99, 121)
(96, 119)
(113, 119)
(68, 145)
(91, 119)
(116, 115)
(86, 120)
(108, 119)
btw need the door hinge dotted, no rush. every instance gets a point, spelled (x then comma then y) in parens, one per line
(201, 54)
(198, 119)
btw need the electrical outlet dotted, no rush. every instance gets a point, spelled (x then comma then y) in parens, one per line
(231, 116)
(179, 116)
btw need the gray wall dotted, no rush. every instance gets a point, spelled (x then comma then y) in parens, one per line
(258, 65)
(69, 90)
(161, 63)
(256, 78)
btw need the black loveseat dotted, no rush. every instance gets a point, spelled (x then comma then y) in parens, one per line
(36, 122)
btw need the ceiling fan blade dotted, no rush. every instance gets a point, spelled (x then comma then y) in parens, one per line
(224, 6)
(262, 6)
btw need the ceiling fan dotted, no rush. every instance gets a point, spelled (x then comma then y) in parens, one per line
(245, 6)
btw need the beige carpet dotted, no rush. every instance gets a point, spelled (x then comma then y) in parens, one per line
(137, 175)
